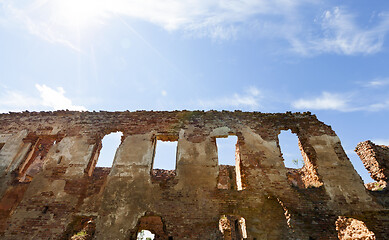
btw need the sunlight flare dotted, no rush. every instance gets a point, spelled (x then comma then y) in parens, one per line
(74, 13)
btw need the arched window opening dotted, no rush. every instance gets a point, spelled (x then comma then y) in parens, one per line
(350, 228)
(232, 227)
(229, 163)
(301, 172)
(149, 227)
(109, 146)
(145, 235)
(165, 157)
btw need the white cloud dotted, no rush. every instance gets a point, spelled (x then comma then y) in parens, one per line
(49, 99)
(52, 20)
(378, 106)
(56, 99)
(327, 101)
(251, 99)
(340, 34)
(336, 31)
(163, 93)
(381, 141)
(378, 82)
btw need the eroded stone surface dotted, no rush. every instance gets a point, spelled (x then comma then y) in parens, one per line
(57, 153)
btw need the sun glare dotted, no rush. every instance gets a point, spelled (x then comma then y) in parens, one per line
(81, 13)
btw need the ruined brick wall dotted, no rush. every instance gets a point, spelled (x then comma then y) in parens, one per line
(375, 158)
(50, 188)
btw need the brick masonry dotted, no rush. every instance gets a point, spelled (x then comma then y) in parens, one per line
(48, 179)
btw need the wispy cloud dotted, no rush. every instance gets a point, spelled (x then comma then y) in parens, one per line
(51, 20)
(249, 99)
(340, 34)
(344, 102)
(336, 31)
(384, 105)
(378, 82)
(49, 99)
(327, 101)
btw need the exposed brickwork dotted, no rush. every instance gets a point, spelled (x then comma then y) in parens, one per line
(58, 151)
(376, 159)
(350, 228)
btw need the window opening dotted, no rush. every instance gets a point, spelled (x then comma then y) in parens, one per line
(232, 227)
(145, 235)
(229, 163)
(291, 153)
(226, 148)
(149, 227)
(301, 172)
(165, 155)
(110, 144)
(165, 158)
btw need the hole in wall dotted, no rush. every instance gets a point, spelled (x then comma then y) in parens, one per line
(226, 148)
(165, 155)
(229, 163)
(165, 158)
(301, 172)
(232, 227)
(109, 146)
(153, 224)
(350, 228)
(291, 153)
(145, 235)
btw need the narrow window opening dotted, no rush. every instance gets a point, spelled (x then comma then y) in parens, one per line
(301, 172)
(165, 158)
(232, 227)
(109, 146)
(291, 153)
(145, 235)
(350, 228)
(229, 163)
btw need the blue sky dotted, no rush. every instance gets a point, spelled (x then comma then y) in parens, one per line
(328, 57)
